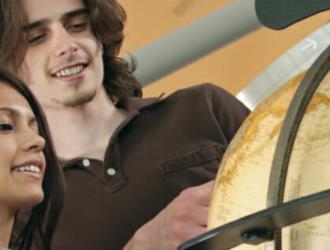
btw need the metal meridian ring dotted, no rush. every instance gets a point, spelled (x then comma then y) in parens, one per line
(291, 123)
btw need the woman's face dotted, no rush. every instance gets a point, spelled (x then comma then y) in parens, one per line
(22, 162)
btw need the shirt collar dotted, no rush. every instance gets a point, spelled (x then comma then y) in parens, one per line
(136, 103)
(133, 106)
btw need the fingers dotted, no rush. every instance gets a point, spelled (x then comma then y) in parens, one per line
(199, 194)
(184, 218)
(191, 212)
(201, 216)
(205, 192)
(188, 233)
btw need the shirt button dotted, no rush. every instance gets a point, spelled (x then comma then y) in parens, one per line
(111, 171)
(86, 162)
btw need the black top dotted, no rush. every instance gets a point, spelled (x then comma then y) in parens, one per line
(163, 147)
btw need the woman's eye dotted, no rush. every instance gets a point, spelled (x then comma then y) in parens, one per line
(5, 127)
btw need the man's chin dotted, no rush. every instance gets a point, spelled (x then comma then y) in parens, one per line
(78, 100)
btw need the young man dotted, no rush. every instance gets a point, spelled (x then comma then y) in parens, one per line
(134, 167)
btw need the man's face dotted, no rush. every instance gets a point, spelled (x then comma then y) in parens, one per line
(63, 65)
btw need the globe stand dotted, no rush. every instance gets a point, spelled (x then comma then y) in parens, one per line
(266, 225)
(279, 14)
(260, 227)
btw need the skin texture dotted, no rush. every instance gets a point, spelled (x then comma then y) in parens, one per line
(73, 102)
(57, 43)
(20, 145)
(76, 102)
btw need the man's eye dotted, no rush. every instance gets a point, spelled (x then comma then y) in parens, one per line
(77, 27)
(5, 127)
(36, 39)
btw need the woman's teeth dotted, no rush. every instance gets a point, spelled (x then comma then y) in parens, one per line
(69, 71)
(31, 168)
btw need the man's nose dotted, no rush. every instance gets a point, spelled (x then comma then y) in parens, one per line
(65, 44)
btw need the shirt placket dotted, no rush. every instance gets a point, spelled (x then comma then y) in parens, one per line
(114, 174)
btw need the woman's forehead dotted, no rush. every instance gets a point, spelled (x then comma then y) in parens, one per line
(12, 102)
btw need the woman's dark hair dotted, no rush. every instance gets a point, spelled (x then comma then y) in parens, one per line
(43, 217)
(107, 20)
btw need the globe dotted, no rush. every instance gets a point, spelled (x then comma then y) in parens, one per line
(241, 184)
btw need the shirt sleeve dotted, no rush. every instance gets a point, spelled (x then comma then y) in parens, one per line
(228, 111)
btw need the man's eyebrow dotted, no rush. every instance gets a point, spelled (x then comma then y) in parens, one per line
(74, 13)
(44, 21)
(35, 24)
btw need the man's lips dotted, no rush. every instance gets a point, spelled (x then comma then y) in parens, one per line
(70, 70)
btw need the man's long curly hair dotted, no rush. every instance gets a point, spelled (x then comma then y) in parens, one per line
(107, 19)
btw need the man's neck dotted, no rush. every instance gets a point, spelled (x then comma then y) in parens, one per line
(84, 130)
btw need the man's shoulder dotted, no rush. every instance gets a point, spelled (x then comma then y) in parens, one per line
(203, 95)
(203, 90)
(199, 88)
(208, 92)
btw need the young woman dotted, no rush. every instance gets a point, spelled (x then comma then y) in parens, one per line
(30, 177)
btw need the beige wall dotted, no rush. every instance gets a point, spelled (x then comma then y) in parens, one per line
(232, 67)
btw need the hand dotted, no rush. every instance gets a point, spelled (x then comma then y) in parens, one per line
(184, 218)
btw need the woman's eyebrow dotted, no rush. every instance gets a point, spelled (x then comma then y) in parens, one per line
(15, 112)
(11, 111)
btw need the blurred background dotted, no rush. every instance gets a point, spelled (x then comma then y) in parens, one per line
(233, 66)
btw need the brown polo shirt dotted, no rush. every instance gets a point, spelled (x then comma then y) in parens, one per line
(163, 147)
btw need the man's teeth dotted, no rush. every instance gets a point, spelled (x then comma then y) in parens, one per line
(69, 71)
(30, 168)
